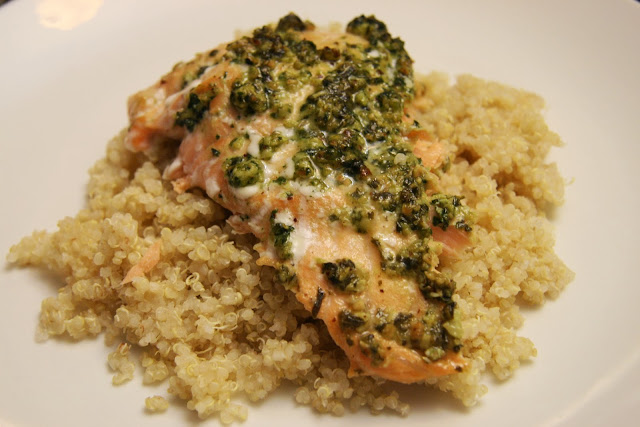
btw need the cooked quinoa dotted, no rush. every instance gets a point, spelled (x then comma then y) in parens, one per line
(213, 326)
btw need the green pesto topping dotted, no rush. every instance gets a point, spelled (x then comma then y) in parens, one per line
(437, 286)
(344, 275)
(454, 326)
(428, 333)
(238, 142)
(350, 321)
(317, 304)
(242, 171)
(370, 346)
(433, 353)
(260, 89)
(410, 260)
(249, 94)
(398, 327)
(402, 322)
(270, 144)
(376, 33)
(292, 22)
(286, 277)
(281, 110)
(191, 75)
(415, 260)
(303, 166)
(292, 79)
(197, 106)
(360, 217)
(448, 210)
(279, 235)
(350, 132)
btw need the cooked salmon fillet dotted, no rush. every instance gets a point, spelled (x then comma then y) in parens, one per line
(307, 137)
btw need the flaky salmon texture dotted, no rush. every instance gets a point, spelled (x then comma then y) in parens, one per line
(307, 137)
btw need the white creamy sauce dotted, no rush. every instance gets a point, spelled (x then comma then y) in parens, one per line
(212, 187)
(305, 189)
(285, 131)
(387, 238)
(195, 82)
(298, 98)
(300, 239)
(171, 99)
(269, 170)
(226, 118)
(169, 171)
(374, 53)
(284, 217)
(254, 141)
(400, 159)
(374, 150)
(273, 167)
(246, 192)
(388, 241)
(257, 221)
(269, 252)
(289, 168)
(150, 103)
(391, 72)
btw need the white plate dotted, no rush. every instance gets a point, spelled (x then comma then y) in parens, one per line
(62, 96)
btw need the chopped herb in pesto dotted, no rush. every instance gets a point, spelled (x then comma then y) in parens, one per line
(376, 33)
(242, 171)
(426, 333)
(279, 235)
(304, 167)
(344, 275)
(390, 101)
(317, 304)
(280, 180)
(434, 285)
(291, 22)
(413, 217)
(410, 260)
(359, 217)
(281, 110)
(402, 324)
(286, 277)
(433, 353)
(369, 28)
(197, 106)
(370, 345)
(449, 210)
(351, 321)
(402, 321)
(238, 142)
(191, 75)
(454, 326)
(249, 96)
(329, 54)
(270, 144)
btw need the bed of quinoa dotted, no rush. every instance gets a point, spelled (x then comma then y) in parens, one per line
(211, 325)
